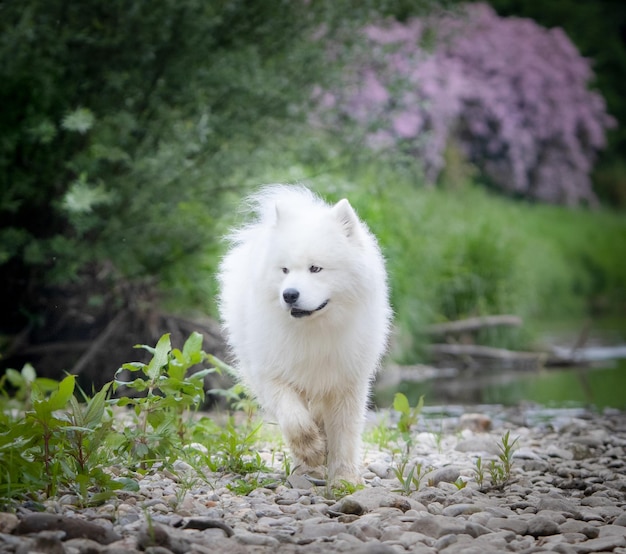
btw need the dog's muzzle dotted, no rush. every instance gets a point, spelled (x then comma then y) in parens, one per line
(297, 312)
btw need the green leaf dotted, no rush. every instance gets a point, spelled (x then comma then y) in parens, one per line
(160, 358)
(95, 406)
(15, 378)
(29, 373)
(222, 366)
(127, 483)
(200, 375)
(59, 398)
(132, 366)
(193, 345)
(401, 403)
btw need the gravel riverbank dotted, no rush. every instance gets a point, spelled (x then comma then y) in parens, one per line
(566, 493)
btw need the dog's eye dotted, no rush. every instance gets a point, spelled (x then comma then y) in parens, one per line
(284, 270)
(315, 269)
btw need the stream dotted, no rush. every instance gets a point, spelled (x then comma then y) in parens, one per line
(597, 382)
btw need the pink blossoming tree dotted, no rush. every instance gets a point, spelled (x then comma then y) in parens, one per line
(512, 95)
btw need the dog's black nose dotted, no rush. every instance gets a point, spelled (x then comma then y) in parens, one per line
(291, 296)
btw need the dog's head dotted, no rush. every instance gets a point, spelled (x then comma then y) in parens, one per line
(316, 258)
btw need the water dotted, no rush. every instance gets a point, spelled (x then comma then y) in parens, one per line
(598, 387)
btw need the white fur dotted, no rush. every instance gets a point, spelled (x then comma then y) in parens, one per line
(312, 373)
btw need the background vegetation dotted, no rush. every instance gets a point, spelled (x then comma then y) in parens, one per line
(131, 131)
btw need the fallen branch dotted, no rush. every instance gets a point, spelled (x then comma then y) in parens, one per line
(473, 324)
(470, 354)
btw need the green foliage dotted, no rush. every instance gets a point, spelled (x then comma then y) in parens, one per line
(337, 490)
(51, 442)
(469, 253)
(409, 416)
(168, 395)
(130, 128)
(236, 452)
(499, 470)
(409, 481)
(56, 443)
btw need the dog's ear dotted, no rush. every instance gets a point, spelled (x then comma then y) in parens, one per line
(276, 215)
(344, 213)
(280, 213)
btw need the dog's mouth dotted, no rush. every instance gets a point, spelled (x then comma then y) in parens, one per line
(297, 312)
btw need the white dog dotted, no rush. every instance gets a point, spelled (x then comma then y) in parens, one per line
(304, 304)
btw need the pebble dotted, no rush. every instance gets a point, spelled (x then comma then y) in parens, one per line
(567, 494)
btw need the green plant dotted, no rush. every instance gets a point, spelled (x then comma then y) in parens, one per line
(499, 470)
(52, 441)
(245, 485)
(506, 448)
(479, 472)
(460, 483)
(233, 449)
(409, 417)
(57, 443)
(236, 395)
(341, 488)
(168, 396)
(384, 436)
(413, 478)
(22, 383)
(89, 427)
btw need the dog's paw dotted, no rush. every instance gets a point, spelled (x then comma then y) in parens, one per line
(307, 445)
(346, 473)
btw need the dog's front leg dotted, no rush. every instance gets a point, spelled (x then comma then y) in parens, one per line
(301, 432)
(344, 418)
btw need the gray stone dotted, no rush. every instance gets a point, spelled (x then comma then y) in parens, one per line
(84, 546)
(574, 526)
(445, 541)
(447, 474)
(8, 522)
(347, 505)
(372, 498)
(256, 539)
(541, 526)
(558, 505)
(611, 530)
(374, 547)
(321, 530)
(437, 526)
(480, 444)
(381, 469)
(460, 509)
(515, 524)
(601, 544)
(299, 482)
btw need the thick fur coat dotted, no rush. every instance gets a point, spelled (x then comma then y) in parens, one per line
(304, 305)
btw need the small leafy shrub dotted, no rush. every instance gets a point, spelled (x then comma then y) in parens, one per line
(408, 417)
(168, 396)
(499, 471)
(57, 443)
(511, 95)
(409, 480)
(56, 439)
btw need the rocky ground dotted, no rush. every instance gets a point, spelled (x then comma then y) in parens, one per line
(566, 493)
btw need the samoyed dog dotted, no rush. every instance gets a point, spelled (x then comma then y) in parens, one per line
(304, 305)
